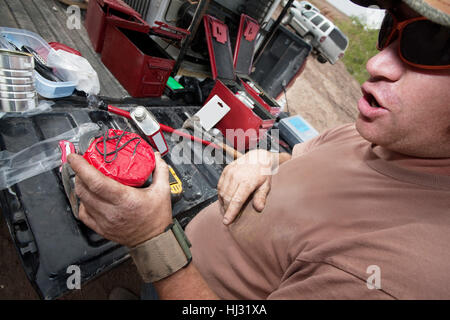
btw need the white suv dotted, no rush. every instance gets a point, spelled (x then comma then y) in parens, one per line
(302, 5)
(328, 41)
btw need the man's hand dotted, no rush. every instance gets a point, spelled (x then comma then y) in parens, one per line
(123, 214)
(248, 174)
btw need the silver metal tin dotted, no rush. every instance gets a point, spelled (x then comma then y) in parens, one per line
(16, 60)
(16, 73)
(15, 80)
(17, 95)
(16, 87)
(17, 105)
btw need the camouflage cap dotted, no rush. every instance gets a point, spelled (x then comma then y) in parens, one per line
(436, 10)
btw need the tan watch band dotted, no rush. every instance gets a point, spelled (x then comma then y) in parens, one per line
(162, 255)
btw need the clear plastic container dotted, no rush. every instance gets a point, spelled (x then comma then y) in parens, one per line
(45, 88)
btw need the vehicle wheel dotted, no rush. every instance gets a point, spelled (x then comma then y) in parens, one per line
(321, 59)
(308, 38)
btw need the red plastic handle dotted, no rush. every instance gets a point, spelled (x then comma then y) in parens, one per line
(60, 46)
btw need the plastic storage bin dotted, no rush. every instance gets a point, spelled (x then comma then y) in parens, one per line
(44, 87)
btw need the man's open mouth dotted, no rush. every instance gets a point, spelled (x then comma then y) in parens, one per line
(372, 100)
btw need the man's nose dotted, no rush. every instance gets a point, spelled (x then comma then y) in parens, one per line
(386, 64)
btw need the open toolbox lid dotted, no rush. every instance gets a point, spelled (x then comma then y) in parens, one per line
(219, 48)
(245, 45)
(225, 65)
(121, 15)
(117, 5)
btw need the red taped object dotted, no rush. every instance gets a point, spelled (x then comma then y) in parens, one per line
(131, 166)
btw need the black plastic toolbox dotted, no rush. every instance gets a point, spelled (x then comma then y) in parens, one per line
(47, 236)
(281, 62)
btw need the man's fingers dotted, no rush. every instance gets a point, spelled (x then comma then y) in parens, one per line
(89, 198)
(106, 188)
(161, 173)
(225, 190)
(259, 199)
(86, 218)
(240, 196)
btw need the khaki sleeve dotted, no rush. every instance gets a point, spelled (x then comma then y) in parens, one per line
(328, 136)
(321, 281)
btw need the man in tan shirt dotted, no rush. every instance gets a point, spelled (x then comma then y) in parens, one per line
(361, 212)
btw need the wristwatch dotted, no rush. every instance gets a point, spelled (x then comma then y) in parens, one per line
(162, 255)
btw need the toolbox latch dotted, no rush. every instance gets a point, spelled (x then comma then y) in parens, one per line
(219, 31)
(251, 30)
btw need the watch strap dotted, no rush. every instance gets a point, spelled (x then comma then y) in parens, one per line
(162, 255)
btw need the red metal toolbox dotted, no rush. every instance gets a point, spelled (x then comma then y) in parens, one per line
(243, 62)
(135, 59)
(97, 12)
(246, 119)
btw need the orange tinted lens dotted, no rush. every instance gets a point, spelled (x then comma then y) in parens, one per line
(426, 43)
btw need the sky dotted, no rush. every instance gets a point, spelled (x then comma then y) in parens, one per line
(372, 17)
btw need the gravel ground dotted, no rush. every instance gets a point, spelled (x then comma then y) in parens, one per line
(325, 95)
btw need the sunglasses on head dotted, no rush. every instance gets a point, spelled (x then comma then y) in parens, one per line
(422, 43)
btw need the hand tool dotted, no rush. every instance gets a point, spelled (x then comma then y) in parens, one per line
(176, 187)
(193, 122)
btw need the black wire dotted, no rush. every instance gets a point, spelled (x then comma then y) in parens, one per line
(82, 101)
(107, 138)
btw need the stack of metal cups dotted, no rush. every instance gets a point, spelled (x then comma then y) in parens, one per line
(17, 91)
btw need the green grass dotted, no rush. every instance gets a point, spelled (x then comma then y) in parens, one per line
(361, 48)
